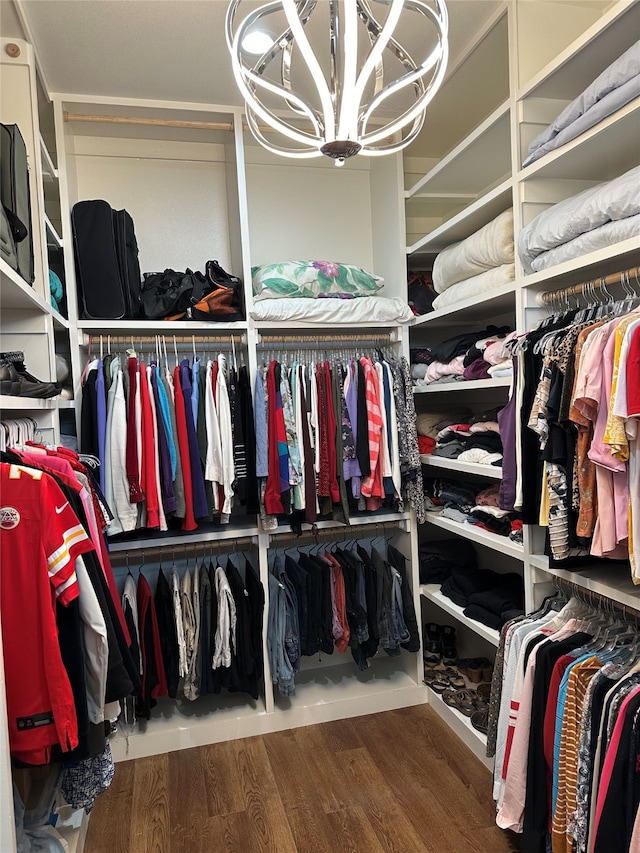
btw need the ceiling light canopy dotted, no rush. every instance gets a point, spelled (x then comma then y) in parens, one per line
(340, 77)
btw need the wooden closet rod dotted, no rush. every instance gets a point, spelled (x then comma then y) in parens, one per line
(122, 552)
(271, 340)
(141, 121)
(150, 122)
(551, 296)
(181, 340)
(336, 534)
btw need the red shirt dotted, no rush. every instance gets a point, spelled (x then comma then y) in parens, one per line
(41, 538)
(633, 375)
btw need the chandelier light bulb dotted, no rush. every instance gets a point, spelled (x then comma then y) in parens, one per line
(340, 77)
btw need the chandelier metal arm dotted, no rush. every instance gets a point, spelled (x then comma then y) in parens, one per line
(335, 119)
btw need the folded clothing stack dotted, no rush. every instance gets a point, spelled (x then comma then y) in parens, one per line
(460, 435)
(439, 557)
(470, 503)
(482, 354)
(488, 597)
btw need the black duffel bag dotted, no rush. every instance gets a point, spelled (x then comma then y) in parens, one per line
(215, 295)
(165, 294)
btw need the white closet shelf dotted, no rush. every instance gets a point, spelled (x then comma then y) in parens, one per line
(461, 725)
(468, 221)
(49, 171)
(233, 715)
(473, 164)
(491, 471)
(611, 581)
(478, 535)
(25, 404)
(576, 67)
(145, 328)
(589, 156)
(491, 304)
(57, 239)
(382, 687)
(17, 295)
(342, 530)
(614, 258)
(472, 385)
(334, 692)
(432, 592)
(340, 330)
(171, 538)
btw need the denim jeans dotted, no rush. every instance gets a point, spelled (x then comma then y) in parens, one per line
(283, 634)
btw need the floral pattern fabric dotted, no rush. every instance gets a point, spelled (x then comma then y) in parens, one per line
(313, 279)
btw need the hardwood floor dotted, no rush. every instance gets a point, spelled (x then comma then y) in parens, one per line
(395, 781)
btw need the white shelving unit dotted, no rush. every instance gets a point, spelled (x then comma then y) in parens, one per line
(553, 56)
(502, 544)
(461, 467)
(431, 591)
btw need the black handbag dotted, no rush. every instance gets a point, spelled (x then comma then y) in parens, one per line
(219, 279)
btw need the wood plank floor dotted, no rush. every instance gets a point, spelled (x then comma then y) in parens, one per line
(395, 781)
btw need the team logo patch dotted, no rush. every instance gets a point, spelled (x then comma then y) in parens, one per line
(9, 517)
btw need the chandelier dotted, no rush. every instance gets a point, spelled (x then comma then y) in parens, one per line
(337, 77)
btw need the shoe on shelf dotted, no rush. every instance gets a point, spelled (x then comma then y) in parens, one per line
(13, 370)
(480, 721)
(449, 645)
(432, 643)
(466, 701)
(480, 670)
(9, 379)
(484, 691)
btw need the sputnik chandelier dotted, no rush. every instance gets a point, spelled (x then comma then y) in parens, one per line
(337, 77)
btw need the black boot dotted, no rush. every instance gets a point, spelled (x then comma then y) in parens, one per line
(28, 385)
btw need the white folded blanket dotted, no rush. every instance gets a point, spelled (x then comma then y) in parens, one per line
(479, 284)
(606, 235)
(366, 309)
(586, 211)
(490, 246)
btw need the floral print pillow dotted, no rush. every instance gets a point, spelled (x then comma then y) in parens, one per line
(313, 279)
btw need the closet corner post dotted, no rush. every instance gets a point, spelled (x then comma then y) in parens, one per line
(264, 540)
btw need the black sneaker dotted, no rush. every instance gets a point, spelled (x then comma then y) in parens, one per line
(27, 385)
(9, 379)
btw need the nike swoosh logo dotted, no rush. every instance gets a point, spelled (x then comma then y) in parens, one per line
(60, 508)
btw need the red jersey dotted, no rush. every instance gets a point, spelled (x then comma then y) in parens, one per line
(40, 538)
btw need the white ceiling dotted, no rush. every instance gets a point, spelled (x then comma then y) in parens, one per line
(163, 49)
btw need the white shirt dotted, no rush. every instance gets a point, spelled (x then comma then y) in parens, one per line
(226, 626)
(213, 465)
(126, 513)
(226, 438)
(96, 644)
(176, 597)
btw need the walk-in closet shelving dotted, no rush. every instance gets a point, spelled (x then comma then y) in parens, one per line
(431, 591)
(482, 537)
(458, 178)
(461, 467)
(611, 581)
(29, 322)
(600, 153)
(471, 385)
(203, 192)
